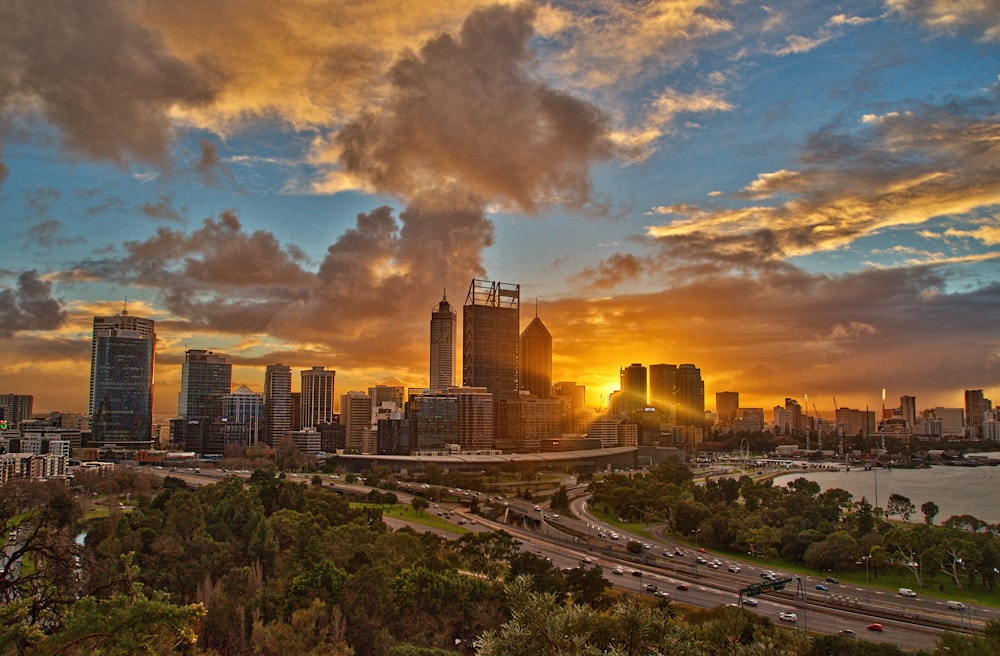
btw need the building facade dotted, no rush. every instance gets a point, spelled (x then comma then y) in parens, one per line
(444, 326)
(121, 379)
(633, 389)
(535, 366)
(277, 403)
(205, 378)
(316, 397)
(490, 338)
(15, 408)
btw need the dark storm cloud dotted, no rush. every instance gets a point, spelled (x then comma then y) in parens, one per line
(103, 80)
(468, 108)
(30, 306)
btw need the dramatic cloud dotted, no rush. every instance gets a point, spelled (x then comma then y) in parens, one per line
(981, 17)
(107, 84)
(899, 169)
(468, 109)
(29, 307)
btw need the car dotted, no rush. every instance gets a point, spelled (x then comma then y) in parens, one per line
(668, 554)
(636, 572)
(425, 486)
(768, 576)
(647, 546)
(555, 517)
(682, 586)
(831, 579)
(822, 588)
(735, 569)
(538, 507)
(875, 627)
(955, 605)
(614, 536)
(750, 602)
(701, 561)
(847, 633)
(788, 617)
(713, 565)
(649, 587)
(906, 592)
(678, 551)
(662, 594)
(701, 550)
(586, 560)
(602, 534)
(618, 570)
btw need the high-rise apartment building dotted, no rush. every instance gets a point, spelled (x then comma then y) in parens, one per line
(121, 379)
(15, 408)
(633, 388)
(444, 323)
(317, 397)
(535, 365)
(277, 402)
(490, 339)
(205, 379)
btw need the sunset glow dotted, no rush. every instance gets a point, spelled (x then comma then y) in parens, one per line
(798, 201)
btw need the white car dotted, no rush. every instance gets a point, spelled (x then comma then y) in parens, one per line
(750, 601)
(906, 592)
(735, 569)
(788, 617)
(618, 570)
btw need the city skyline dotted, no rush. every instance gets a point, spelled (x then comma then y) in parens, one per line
(799, 202)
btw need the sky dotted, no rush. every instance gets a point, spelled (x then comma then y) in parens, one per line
(802, 199)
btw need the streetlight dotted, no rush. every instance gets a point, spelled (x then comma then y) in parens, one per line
(696, 531)
(867, 589)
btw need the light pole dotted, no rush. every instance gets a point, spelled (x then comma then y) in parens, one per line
(695, 532)
(867, 588)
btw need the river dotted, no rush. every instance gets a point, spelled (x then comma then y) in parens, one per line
(956, 490)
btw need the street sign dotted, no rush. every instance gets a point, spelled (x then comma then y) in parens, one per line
(755, 589)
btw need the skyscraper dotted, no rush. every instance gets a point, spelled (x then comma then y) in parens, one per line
(975, 407)
(356, 416)
(633, 387)
(490, 340)
(690, 396)
(536, 360)
(317, 397)
(727, 404)
(908, 411)
(443, 324)
(663, 389)
(277, 402)
(121, 379)
(243, 409)
(205, 379)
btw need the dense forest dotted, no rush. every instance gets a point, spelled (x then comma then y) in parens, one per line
(265, 566)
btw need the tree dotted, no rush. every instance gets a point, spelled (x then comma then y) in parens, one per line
(900, 505)
(420, 504)
(930, 510)
(560, 500)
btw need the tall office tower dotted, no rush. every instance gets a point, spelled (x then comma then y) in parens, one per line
(205, 378)
(443, 324)
(317, 397)
(633, 387)
(726, 406)
(490, 340)
(244, 412)
(356, 416)
(277, 402)
(536, 360)
(663, 390)
(908, 411)
(15, 408)
(975, 409)
(121, 379)
(690, 396)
